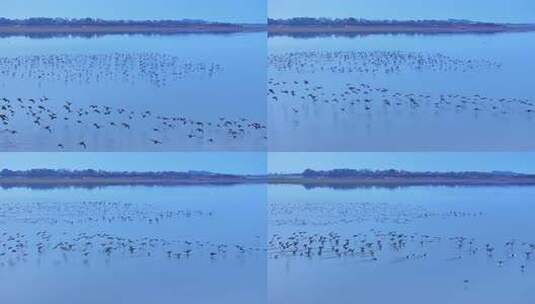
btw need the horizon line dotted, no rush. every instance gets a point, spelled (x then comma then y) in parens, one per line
(400, 20)
(190, 171)
(266, 22)
(192, 20)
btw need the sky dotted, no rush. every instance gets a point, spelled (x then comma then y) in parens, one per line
(247, 11)
(254, 11)
(479, 10)
(482, 161)
(235, 163)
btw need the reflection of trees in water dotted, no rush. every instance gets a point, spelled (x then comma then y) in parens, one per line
(89, 34)
(356, 34)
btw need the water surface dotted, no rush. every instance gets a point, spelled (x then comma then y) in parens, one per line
(406, 245)
(133, 245)
(186, 92)
(401, 92)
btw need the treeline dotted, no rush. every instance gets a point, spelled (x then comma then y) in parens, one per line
(352, 173)
(90, 173)
(308, 21)
(308, 173)
(42, 21)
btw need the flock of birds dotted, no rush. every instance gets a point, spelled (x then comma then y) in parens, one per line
(91, 212)
(297, 95)
(324, 231)
(362, 97)
(373, 62)
(340, 95)
(88, 233)
(326, 214)
(65, 125)
(54, 233)
(156, 69)
(396, 247)
(88, 248)
(18, 115)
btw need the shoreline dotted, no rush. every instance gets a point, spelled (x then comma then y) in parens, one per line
(402, 182)
(121, 181)
(306, 182)
(128, 29)
(101, 183)
(396, 29)
(272, 30)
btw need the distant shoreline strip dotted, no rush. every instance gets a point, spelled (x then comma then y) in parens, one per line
(271, 29)
(127, 29)
(307, 182)
(396, 29)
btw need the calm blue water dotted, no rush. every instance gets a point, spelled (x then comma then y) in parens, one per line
(198, 78)
(133, 245)
(447, 92)
(443, 257)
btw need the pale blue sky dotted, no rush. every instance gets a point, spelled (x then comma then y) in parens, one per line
(237, 163)
(483, 10)
(213, 10)
(297, 162)
(255, 10)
